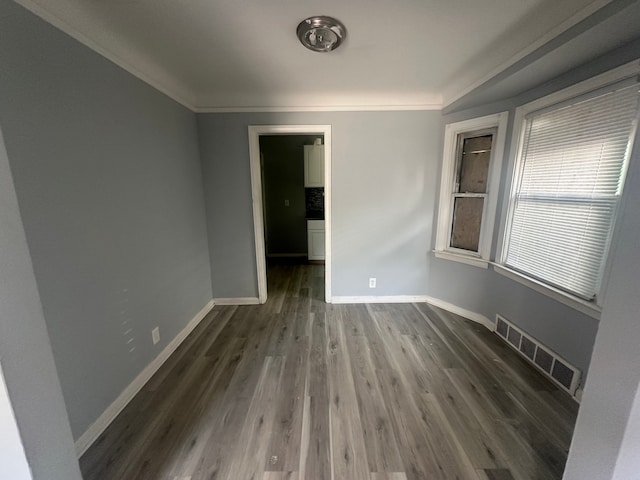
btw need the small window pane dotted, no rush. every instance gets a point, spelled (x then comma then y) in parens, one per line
(467, 217)
(474, 164)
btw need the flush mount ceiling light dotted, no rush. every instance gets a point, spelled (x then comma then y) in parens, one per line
(321, 34)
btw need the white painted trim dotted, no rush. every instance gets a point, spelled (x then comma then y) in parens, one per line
(450, 307)
(103, 421)
(512, 176)
(618, 74)
(184, 96)
(583, 306)
(258, 212)
(328, 214)
(587, 11)
(175, 92)
(445, 205)
(463, 312)
(380, 299)
(237, 301)
(578, 395)
(456, 257)
(256, 193)
(322, 108)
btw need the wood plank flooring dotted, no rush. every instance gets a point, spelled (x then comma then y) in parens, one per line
(300, 390)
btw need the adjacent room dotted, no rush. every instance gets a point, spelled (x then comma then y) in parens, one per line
(373, 240)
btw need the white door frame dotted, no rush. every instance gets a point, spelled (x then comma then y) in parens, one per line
(256, 192)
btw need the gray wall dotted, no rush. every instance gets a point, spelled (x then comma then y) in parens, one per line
(283, 179)
(110, 188)
(13, 460)
(109, 184)
(565, 330)
(385, 168)
(607, 434)
(606, 443)
(561, 328)
(25, 354)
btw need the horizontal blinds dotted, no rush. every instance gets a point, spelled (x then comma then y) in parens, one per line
(573, 164)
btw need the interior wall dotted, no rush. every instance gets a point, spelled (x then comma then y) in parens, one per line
(26, 361)
(109, 184)
(606, 439)
(570, 333)
(283, 179)
(385, 168)
(108, 177)
(13, 460)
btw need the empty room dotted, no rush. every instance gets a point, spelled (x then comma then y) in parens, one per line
(357, 241)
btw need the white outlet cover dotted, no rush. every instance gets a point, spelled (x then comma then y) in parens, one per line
(372, 283)
(155, 335)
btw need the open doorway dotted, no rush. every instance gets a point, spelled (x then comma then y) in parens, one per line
(312, 132)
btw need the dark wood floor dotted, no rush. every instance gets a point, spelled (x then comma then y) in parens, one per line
(301, 390)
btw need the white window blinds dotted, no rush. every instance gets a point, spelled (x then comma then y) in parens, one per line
(571, 171)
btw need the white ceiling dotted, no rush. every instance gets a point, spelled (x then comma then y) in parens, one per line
(217, 55)
(599, 36)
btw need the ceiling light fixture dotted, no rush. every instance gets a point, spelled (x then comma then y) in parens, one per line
(321, 33)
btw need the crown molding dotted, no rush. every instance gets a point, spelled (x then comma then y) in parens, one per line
(456, 92)
(174, 92)
(189, 100)
(321, 108)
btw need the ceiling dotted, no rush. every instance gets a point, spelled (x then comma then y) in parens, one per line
(234, 55)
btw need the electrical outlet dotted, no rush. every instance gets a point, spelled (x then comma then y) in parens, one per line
(372, 282)
(155, 335)
(286, 203)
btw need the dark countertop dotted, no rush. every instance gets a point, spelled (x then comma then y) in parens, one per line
(314, 215)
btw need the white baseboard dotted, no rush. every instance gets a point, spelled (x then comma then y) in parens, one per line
(463, 312)
(100, 425)
(237, 301)
(450, 307)
(381, 299)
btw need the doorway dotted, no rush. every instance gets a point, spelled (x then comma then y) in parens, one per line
(255, 132)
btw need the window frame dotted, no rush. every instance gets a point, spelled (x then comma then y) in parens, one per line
(515, 165)
(454, 133)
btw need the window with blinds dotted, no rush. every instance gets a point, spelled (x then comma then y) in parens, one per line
(570, 175)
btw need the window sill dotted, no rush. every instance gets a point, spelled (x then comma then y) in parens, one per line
(583, 306)
(459, 257)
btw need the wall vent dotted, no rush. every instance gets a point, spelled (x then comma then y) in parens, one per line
(544, 359)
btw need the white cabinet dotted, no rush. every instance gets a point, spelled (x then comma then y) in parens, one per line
(314, 165)
(315, 239)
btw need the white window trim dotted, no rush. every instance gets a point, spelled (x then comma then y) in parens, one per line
(468, 258)
(451, 133)
(593, 309)
(588, 308)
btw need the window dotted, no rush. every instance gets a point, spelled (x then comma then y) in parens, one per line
(469, 187)
(568, 179)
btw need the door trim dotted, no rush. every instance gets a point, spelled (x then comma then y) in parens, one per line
(255, 131)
